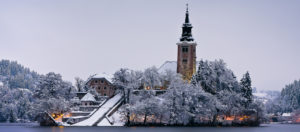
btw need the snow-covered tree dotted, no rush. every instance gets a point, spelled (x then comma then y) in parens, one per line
(151, 77)
(246, 88)
(214, 77)
(205, 77)
(15, 75)
(290, 97)
(213, 92)
(274, 105)
(53, 93)
(79, 84)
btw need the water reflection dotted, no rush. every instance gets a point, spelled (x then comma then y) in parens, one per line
(58, 129)
(265, 128)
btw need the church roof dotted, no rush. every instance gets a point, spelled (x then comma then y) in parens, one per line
(168, 65)
(172, 66)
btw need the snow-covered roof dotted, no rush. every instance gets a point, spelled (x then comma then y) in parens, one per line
(168, 65)
(108, 77)
(187, 42)
(286, 114)
(171, 65)
(88, 97)
(103, 75)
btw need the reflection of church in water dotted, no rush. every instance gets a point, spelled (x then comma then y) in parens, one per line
(186, 54)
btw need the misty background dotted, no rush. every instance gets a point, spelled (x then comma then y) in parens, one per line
(81, 38)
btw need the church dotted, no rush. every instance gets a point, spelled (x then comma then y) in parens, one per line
(186, 52)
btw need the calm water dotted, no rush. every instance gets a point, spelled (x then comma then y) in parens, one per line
(263, 128)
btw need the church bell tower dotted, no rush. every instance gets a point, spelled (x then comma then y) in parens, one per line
(186, 54)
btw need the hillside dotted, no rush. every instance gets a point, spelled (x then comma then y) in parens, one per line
(24, 93)
(15, 75)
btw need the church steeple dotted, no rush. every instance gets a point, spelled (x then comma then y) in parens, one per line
(186, 53)
(187, 27)
(187, 19)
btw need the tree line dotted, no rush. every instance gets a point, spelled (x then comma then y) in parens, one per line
(287, 101)
(24, 94)
(213, 97)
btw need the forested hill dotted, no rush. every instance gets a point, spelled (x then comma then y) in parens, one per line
(15, 75)
(287, 101)
(24, 93)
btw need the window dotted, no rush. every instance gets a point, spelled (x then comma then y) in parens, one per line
(104, 94)
(96, 81)
(184, 61)
(104, 88)
(98, 88)
(101, 81)
(185, 48)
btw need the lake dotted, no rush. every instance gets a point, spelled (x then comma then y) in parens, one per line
(262, 128)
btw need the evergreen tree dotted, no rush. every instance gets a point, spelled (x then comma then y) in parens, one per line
(246, 88)
(205, 77)
(290, 97)
(2, 114)
(12, 116)
(214, 77)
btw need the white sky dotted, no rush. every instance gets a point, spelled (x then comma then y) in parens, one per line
(80, 38)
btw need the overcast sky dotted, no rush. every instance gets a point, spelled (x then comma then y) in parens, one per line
(84, 37)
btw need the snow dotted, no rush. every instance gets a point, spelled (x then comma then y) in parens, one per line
(1, 84)
(76, 117)
(101, 112)
(104, 122)
(104, 75)
(260, 94)
(286, 114)
(168, 65)
(187, 42)
(88, 97)
(116, 118)
(80, 112)
(25, 90)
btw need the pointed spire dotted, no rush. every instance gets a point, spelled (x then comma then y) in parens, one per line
(187, 20)
(187, 7)
(187, 27)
